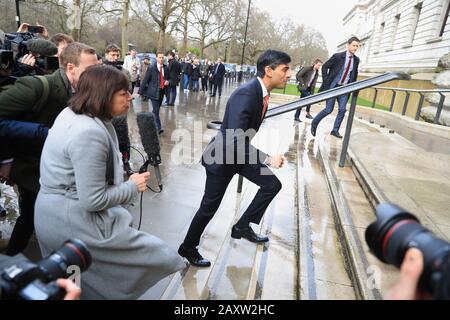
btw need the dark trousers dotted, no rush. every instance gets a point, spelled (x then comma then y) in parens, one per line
(218, 85)
(133, 85)
(24, 226)
(205, 84)
(329, 106)
(171, 95)
(215, 188)
(303, 94)
(156, 104)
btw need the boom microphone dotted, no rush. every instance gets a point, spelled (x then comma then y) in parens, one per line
(121, 126)
(150, 142)
(42, 47)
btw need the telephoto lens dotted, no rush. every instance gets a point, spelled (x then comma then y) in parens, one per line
(73, 253)
(395, 231)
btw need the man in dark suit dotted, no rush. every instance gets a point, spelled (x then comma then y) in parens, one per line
(307, 78)
(218, 74)
(174, 78)
(339, 70)
(154, 86)
(230, 153)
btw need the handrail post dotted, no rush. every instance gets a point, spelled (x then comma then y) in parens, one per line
(393, 100)
(375, 97)
(439, 108)
(348, 129)
(405, 106)
(419, 108)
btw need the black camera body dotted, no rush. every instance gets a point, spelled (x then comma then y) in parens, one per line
(25, 280)
(395, 231)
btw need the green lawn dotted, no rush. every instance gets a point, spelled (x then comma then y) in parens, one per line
(291, 89)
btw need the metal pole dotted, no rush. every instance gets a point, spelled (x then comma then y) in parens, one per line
(17, 13)
(375, 98)
(439, 108)
(240, 182)
(245, 41)
(405, 106)
(348, 130)
(419, 108)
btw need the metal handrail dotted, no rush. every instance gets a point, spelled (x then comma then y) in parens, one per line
(353, 87)
(333, 93)
(408, 94)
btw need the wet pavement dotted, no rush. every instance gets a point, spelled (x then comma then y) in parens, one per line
(307, 256)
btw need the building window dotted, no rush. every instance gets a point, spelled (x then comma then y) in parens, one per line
(415, 21)
(380, 37)
(394, 32)
(444, 19)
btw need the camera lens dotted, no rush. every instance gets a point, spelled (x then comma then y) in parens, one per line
(395, 231)
(73, 253)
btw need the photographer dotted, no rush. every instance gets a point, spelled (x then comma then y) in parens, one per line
(37, 100)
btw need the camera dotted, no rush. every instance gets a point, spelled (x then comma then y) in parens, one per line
(395, 231)
(25, 280)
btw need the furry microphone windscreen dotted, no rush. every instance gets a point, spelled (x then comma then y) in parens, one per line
(149, 135)
(121, 125)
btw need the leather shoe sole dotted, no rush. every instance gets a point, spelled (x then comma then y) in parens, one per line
(195, 262)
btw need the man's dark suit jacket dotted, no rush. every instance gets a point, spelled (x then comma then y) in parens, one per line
(150, 85)
(333, 66)
(243, 111)
(305, 75)
(174, 73)
(217, 76)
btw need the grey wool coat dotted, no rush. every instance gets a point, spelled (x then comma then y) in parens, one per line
(81, 196)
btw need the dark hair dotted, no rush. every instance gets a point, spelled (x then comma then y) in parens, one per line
(112, 48)
(61, 37)
(353, 39)
(317, 61)
(272, 59)
(95, 90)
(172, 54)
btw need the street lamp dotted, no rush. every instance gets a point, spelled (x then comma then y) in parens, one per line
(18, 13)
(245, 41)
(226, 50)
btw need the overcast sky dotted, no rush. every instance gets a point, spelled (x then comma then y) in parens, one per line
(323, 15)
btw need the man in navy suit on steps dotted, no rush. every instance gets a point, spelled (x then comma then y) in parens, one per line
(230, 153)
(339, 70)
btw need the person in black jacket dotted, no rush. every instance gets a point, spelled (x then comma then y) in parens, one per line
(154, 85)
(339, 70)
(195, 75)
(230, 152)
(174, 78)
(218, 74)
(307, 78)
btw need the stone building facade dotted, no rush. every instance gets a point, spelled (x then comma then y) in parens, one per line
(400, 35)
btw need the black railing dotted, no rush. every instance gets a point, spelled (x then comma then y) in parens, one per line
(354, 88)
(406, 103)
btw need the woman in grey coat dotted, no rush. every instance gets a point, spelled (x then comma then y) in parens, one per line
(82, 193)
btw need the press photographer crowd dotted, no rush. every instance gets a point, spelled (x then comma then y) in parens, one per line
(64, 145)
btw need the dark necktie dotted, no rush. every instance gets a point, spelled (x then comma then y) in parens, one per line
(346, 70)
(266, 104)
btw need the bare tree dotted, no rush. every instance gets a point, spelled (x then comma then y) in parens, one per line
(210, 21)
(119, 8)
(163, 14)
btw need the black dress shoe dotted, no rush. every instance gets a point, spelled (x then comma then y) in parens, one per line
(194, 257)
(160, 131)
(249, 234)
(313, 129)
(297, 119)
(336, 134)
(308, 116)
